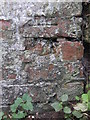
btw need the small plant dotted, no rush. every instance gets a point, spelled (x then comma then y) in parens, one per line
(84, 104)
(62, 106)
(73, 111)
(19, 109)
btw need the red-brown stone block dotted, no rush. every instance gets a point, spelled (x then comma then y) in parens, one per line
(72, 50)
(12, 76)
(5, 24)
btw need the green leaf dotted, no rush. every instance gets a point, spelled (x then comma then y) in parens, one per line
(26, 97)
(64, 97)
(88, 86)
(77, 98)
(21, 104)
(88, 106)
(13, 108)
(68, 119)
(14, 115)
(66, 116)
(1, 115)
(83, 118)
(77, 114)
(4, 117)
(19, 115)
(28, 106)
(81, 106)
(67, 110)
(57, 106)
(84, 98)
(18, 101)
(88, 95)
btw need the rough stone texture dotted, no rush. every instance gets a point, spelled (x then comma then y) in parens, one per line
(86, 21)
(54, 27)
(41, 51)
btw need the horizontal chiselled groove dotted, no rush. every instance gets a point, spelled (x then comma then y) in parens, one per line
(51, 27)
(34, 21)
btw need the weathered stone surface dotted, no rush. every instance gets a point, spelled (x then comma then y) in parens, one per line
(72, 51)
(62, 49)
(61, 28)
(29, 9)
(41, 93)
(40, 54)
(86, 22)
(5, 24)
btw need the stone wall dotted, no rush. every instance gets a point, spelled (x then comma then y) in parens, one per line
(86, 22)
(41, 51)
